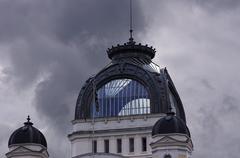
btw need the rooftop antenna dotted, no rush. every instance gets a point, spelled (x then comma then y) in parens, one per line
(131, 21)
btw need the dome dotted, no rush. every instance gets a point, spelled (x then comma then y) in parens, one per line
(130, 85)
(170, 124)
(27, 134)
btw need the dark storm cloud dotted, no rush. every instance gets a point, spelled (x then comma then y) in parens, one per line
(105, 19)
(36, 29)
(56, 45)
(86, 28)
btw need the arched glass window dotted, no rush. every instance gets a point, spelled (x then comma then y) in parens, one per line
(122, 97)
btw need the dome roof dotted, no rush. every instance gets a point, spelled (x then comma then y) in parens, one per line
(27, 134)
(170, 124)
(131, 77)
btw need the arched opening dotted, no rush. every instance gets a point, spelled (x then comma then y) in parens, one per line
(121, 97)
(167, 156)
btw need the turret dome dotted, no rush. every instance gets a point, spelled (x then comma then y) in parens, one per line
(170, 124)
(27, 134)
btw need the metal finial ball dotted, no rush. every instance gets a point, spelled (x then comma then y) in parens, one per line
(28, 118)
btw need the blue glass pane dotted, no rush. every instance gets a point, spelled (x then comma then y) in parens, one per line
(122, 97)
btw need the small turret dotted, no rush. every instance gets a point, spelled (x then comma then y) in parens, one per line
(27, 141)
(171, 138)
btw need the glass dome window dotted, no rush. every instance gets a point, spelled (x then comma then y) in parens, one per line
(121, 97)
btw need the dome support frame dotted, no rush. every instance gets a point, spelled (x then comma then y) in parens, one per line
(155, 83)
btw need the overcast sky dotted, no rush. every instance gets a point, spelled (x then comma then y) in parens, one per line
(48, 48)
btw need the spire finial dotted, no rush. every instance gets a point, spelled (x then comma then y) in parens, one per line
(131, 27)
(28, 121)
(28, 118)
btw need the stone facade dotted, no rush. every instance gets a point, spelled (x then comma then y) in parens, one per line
(27, 151)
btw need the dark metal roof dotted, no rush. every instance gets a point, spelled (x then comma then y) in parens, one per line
(131, 49)
(170, 124)
(27, 134)
(132, 61)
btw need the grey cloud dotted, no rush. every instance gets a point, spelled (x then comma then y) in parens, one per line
(57, 45)
(4, 135)
(199, 42)
(79, 19)
(231, 104)
(218, 5)
(218, 135)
